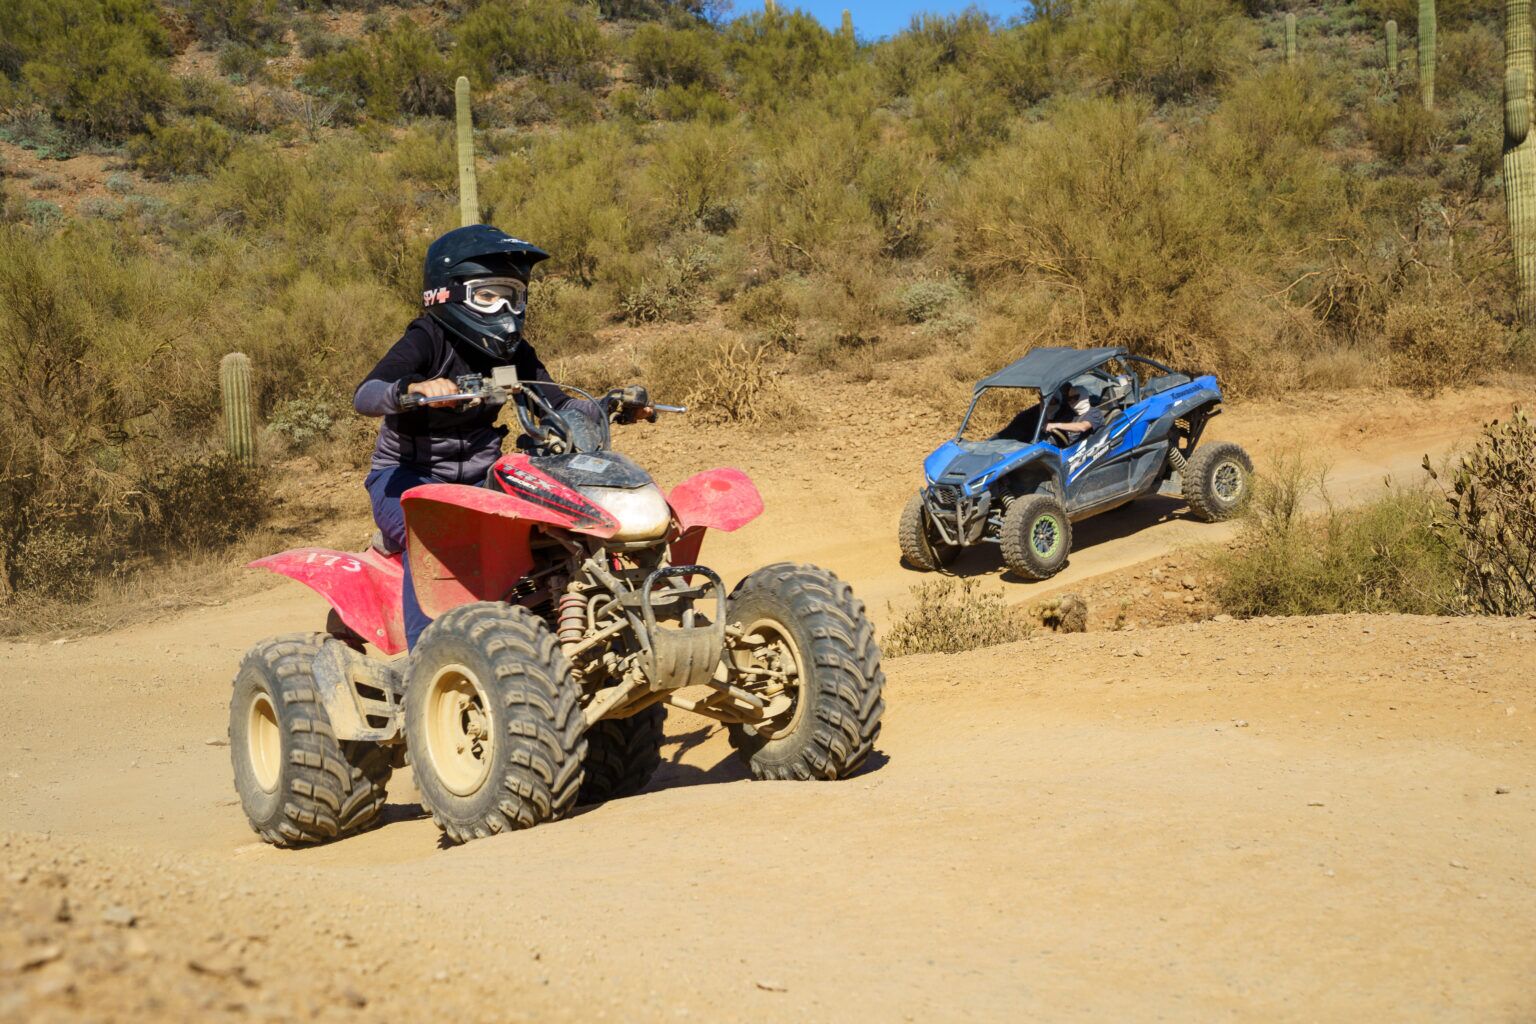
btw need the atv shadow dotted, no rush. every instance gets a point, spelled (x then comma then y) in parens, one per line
(673, 774)
(1116, 524)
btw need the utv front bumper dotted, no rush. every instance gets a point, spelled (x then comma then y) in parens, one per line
(959, 520)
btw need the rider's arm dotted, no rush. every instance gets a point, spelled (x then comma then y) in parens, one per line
(404, 368)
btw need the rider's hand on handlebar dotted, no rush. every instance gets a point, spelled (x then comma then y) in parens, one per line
(434, 389)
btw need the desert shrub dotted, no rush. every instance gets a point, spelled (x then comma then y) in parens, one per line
(556, 39)
(1167, 49)
(396, 71)
(101, 208)
(247, 22)
(1134, 236)
(723, 379)
(664, 55)
(195, 145)
(922, 301)
(241, 63)
(427, 154)
(1382, 556)
(562, 317)
(102, 78)
(960, 115)
(691, 103)
(41, 213)
(674, 291)
(199, 499)
(697, 172)
(931, 44)
(55, 563)
(1488, 519)
(1441, 337)
(1400, 128)
(777, 56)
(1021, 62)
(952, 615)
(305, 419)
(30, 126)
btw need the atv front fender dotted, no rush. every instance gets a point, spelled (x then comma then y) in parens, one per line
(469, 543)
(363, 588)
(722, 499)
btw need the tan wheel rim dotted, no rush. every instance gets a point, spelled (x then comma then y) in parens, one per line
(264, 742)
(779, 647)
(460, 744)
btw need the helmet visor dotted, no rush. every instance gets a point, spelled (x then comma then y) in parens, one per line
(491, 295)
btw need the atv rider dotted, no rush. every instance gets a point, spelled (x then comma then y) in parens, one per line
(474, 291)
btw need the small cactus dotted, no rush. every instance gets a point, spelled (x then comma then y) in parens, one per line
(469, 192)
(1427, 53)
(1520, 150)
(1290, 39)
(1392, 49)
(846, 31)
(239, 414)
(1065, 614)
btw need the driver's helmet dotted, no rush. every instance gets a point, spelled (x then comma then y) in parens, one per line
(475, 285)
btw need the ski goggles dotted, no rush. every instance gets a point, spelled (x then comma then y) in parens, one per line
(486, 295)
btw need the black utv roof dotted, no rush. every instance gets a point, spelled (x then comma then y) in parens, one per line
(1047, 369)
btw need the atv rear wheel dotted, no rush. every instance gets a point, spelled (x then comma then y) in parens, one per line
(297, 783)
(1218, 481)
(1036, 536)
(493, 722)
(920, 544)
(817, 642)
(622, 755)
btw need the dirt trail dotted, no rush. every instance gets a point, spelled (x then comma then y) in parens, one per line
(1326, 819)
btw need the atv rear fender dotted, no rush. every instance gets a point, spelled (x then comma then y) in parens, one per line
(471, 544)
(722, 499)
(363, 588)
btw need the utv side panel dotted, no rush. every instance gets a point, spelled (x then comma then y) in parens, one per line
(363, 588)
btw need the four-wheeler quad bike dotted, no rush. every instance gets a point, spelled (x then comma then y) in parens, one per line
(1022, 486)
(568, 613)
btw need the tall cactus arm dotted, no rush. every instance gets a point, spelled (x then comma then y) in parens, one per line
(1517, 109)
(1392, 47)
(239, 414)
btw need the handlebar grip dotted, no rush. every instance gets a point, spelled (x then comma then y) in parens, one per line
(669, 408)
(409, 400)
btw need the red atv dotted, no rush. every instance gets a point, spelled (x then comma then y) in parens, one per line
(568, 613)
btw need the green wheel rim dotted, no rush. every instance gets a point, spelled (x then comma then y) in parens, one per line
(1045, 535)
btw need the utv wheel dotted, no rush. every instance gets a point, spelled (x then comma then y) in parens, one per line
(622, 755)
(297, 783)
(1218, 481)
(493, 722)
(920, 545)
(818, 641)
(1036, 536)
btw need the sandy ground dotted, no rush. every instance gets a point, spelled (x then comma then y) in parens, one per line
(1323, 819)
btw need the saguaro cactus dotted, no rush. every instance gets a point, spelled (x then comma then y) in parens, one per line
(1427, 53)
(847, 27)
(239, 416)
(1520, 149)
(1392, 49)
(1290, 39)
(469, 192)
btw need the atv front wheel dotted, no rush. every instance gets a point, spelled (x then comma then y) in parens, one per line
(1218, 481)
(622, 755)
(920, 543)
(815, 645)
(1036, 536)
(297, 783)
(493, 722)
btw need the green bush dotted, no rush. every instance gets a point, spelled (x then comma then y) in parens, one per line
(664, 56)
(556, 39)
(1439, 338)
(1382, 556)
(196, 145)
(396, 71)
(1168, 49)
(673, 292)
(101, 79)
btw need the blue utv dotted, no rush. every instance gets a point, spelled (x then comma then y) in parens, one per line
(1014, 476)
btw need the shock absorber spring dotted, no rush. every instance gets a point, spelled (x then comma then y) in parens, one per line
(1176, 458)
(572, 618)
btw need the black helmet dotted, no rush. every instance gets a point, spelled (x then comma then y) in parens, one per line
(475, 284)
